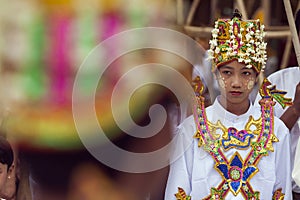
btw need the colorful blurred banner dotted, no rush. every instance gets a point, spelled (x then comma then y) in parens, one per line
(42, 45)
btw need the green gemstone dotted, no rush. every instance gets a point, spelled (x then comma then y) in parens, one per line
(235, 174)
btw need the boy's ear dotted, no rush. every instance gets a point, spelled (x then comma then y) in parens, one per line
(11, 170)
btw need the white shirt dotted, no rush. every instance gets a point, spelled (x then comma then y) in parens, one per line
(296, 170)
(287, 79)
(194, 170)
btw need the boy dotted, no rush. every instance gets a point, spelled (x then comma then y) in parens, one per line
(6, 161)
(239, 152)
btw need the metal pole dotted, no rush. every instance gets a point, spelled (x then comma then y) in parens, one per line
(291, 20)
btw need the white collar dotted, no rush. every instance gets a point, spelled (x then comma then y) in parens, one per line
(222, 113)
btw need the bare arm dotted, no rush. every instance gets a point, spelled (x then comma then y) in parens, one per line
(291, 115)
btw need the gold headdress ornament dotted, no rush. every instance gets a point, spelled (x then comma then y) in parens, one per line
(237, 39)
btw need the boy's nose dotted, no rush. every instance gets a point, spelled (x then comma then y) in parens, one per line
(236, 81)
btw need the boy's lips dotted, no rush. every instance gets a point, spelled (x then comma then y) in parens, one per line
(235, 93)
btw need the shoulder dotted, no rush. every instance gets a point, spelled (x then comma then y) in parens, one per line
(289, 70)
(187, 126)
(285, 76)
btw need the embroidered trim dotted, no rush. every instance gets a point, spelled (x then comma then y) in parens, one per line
(278, 195)
(269, 90)
(181, 195)
(236, 139)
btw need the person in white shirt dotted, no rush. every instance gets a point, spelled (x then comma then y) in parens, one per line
(288, 79)
(296, 169)
(7, 166)
(233, 149)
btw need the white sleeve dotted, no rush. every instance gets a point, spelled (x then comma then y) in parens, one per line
(283, 160)
(181, 168)
(296, 170)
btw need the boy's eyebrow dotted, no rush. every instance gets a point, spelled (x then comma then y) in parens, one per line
(229, 67)
(226, 66)
(247, 68)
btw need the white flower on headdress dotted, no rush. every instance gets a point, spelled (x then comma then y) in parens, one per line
(235, 47)
(215, 31)
(247, 61)
(211, 55)
(265, 57)
(213, 43)
(248, 37)
(263, 45)
(241, 60)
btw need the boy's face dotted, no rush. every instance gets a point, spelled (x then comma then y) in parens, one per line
(236, 82)
(3, 174)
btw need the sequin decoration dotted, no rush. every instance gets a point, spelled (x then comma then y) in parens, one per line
(181, 195)
(238, 139)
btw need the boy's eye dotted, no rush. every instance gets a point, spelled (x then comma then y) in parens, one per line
(226, 72)
(247, 73)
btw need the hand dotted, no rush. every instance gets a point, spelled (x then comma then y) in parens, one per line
(296, 102)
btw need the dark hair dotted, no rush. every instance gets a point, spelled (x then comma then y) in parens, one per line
(297, 21)
(6, 152)
(237, 14)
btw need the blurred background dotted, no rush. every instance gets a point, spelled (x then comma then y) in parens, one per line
(43, 44)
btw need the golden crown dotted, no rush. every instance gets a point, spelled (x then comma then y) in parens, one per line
(237, 39)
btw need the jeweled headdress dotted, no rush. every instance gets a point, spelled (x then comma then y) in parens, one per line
(237, 39)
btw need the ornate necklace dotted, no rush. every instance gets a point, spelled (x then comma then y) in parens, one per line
(236, 172)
